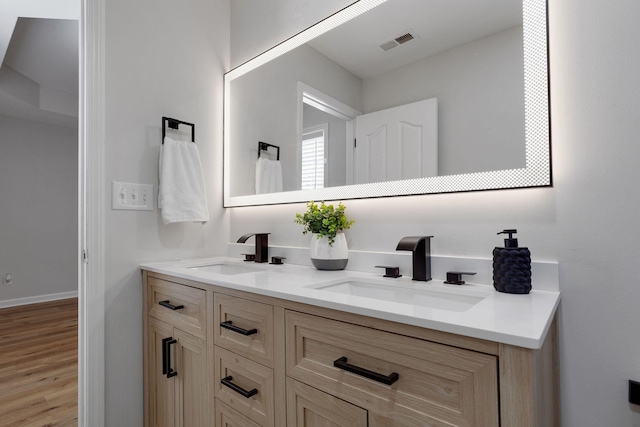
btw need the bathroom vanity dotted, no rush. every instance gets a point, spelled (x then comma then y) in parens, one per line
(237, 344)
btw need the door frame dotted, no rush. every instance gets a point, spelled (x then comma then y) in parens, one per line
(91, 209)
(323, 102)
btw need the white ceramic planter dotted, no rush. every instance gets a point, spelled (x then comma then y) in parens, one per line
(325, 257)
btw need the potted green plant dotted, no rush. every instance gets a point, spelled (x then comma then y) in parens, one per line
(328, 247)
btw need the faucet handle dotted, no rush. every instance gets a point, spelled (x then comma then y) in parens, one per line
(249, 257)
(390, 271)
(455, 277)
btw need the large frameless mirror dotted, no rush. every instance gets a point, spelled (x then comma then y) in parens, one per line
(390, 98)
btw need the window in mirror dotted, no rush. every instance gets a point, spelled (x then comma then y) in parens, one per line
(312, 157)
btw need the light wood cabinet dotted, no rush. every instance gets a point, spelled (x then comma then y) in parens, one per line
(181, 306)
(410, 381)
(308, 407)
(249, 378)
(175, 364)
(161, 390)
(244, 327)
(227, 417)
(254, 361)
(245, 385)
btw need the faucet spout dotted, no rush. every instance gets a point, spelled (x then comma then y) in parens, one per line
(262, 245)
(420, 246)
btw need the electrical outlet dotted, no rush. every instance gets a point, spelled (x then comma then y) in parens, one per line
(136, 197)
(8, 279)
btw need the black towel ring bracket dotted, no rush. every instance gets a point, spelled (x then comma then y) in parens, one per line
(263, 146)
(175, 124)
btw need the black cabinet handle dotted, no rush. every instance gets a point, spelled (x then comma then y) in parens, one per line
(229, 325)
(384, 379)
(246, 393)
(171, 306)
(166, 357)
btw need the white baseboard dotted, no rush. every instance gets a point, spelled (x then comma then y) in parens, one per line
(38, 298)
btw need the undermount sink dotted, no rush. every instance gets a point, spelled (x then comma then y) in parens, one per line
(225, 268)
(404, 294)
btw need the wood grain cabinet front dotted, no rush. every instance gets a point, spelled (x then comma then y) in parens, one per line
(308, 407)
(401, 381)
(182, 306)
(245, 386)
(220, 357)
(176, 394)
(227, 417)
(244, 327)
(176, 355)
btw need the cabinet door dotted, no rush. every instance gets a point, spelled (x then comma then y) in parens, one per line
(160, 389)
(309, 407)
(181, 400)
(192, 397)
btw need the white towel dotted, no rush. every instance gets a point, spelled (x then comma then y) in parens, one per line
(182, 194)
(268, 176)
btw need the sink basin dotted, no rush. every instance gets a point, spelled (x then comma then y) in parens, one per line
(398, 293)
(227, 269)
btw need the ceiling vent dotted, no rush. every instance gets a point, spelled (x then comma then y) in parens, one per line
(406, 37)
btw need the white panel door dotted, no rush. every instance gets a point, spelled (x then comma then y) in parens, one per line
(397, 143)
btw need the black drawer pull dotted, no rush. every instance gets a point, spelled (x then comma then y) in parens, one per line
(229, 325)
(384, 379)
(227, 381)
(171, 306)
(166, 357)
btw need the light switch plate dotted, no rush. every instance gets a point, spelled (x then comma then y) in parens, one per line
(136, 197)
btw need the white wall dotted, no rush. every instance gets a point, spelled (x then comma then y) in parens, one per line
(588, 221)
(38, 209)
(162, 58)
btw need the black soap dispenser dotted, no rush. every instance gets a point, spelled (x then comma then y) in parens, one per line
(511, 266)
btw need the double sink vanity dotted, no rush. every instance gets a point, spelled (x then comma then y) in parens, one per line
(230, 343)
(234, 344)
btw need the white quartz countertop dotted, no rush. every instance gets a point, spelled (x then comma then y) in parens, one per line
(471, 310)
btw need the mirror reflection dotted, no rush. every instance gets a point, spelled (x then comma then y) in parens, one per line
(411, 89)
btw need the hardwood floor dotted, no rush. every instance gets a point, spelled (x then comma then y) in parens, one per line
(39, 364)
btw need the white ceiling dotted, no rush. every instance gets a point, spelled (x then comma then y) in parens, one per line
(46, 51)
(439, 24)
(42, 55)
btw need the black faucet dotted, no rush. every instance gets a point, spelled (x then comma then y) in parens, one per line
(421, 248)
(262, 245)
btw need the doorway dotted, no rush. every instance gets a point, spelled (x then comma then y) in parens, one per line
(39, 96)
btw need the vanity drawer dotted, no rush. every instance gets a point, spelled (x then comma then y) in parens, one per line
(178, 305)
(435, 385)
(249, 387)
(307, 406)
(228, 417)
(244, 327)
